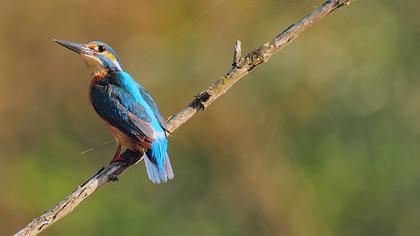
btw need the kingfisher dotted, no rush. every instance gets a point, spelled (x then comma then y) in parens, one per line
(127, 109)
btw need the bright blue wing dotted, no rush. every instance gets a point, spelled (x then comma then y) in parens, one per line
(121, 110)
(149, 100)
(120, 100)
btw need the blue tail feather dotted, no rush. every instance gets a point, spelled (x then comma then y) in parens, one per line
(158, 151)
(168, 168)
(158, 175)
(157, 161)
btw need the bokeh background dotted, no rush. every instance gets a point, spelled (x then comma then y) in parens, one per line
(322, 140)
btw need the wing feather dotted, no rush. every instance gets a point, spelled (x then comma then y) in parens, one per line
(149, 100)
(121, 110)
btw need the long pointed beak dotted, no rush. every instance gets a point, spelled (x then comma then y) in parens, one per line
(75, 47)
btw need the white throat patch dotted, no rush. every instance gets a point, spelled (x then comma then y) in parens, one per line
(93, 63)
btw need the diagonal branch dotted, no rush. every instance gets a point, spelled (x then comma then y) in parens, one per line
(240, 68)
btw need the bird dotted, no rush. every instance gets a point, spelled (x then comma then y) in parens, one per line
(127, 109)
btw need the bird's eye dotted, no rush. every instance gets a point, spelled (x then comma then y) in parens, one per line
(101, 48)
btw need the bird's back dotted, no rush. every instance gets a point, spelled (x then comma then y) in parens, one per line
(122, 102)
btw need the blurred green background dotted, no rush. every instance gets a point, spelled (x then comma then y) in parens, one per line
(322, 140)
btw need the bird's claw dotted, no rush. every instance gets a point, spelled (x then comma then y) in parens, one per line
(113, 177)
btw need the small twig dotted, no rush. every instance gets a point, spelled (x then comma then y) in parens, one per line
(237, 51)
(241, 67)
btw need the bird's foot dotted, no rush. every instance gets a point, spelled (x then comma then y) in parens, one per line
(113, 178)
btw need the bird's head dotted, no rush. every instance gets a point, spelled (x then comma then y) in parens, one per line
(99, 57)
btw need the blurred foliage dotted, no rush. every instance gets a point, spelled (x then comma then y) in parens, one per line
(322, 140)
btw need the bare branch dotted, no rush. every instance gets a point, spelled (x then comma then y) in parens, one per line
(240, 68)
(251, 61)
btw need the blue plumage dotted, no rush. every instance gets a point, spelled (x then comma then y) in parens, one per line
(127, 108)
(121, 101)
